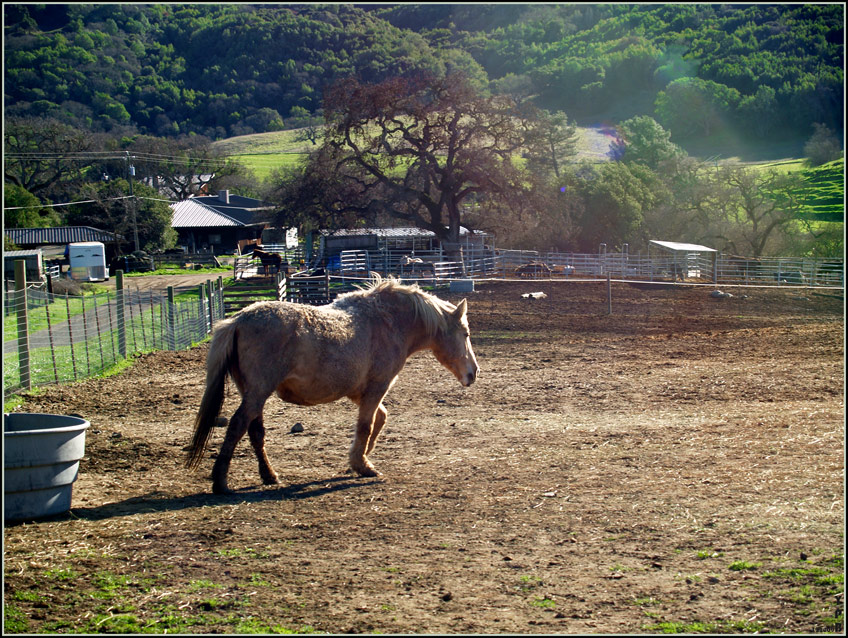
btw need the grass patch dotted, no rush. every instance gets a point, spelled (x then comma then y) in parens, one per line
(251, 625)
(61, 574)
(14, 620)
(646, 601)
(543, 603)
(263, 165)
(697, 627)
(529, 583)
(257, 580)
(179, 271)
(742, 565)
(198, 585)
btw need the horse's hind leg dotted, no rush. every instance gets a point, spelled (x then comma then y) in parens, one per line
(256, 432)
(379, 422)
(237, 428)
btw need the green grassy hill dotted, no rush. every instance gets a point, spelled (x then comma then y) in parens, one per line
(265, 152)
(826, 201)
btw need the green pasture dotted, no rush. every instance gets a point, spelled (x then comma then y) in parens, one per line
(826, 191)
(263, 143)
(263, 164)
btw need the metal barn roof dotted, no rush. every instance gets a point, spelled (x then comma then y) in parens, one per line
(193, 214)
(212, 212)
(403, 231)
(59, 235)
(676, 247)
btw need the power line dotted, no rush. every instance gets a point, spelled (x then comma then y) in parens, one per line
(109, 199)
(84, 201)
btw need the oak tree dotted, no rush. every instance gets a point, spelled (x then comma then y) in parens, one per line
(411, 149)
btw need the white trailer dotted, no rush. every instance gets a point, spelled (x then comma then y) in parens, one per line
(87, 261)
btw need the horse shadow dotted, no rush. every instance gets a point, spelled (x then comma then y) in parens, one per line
(158, 501)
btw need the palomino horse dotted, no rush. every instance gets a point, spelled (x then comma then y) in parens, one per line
(268, 259)
(354, 348)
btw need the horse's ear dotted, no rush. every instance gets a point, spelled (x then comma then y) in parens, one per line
(461, 309)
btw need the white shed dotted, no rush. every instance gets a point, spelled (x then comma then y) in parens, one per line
(686, 260)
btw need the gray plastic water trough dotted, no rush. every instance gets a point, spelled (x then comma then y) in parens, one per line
(41, 455)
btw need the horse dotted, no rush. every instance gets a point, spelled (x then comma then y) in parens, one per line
(268, 259)
(533, 269)
(354, 347)
(415, 264)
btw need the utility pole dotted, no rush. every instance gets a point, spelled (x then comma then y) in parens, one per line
(130, 175)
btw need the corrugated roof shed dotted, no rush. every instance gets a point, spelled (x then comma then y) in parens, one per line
(212, 212)
(58, 235)
(404, 231)
(192, 214)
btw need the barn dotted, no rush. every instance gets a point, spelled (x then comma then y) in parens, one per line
(222, 223)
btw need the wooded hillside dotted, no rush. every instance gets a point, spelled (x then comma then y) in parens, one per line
(768, 71)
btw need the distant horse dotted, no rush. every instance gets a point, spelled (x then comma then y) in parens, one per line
(268, 260)
(354, 348)
(415, 264)
(533, 269)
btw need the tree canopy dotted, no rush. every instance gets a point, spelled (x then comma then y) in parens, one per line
(415, 150)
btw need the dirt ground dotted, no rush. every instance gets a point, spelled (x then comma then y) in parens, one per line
(675, 466)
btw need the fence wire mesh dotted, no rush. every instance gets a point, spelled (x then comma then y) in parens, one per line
(64, 338)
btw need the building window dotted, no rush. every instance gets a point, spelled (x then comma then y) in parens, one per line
(214, 239)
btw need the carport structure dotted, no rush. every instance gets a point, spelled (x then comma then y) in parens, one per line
(684, 260)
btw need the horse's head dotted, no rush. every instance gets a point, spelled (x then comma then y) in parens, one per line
(452, 346)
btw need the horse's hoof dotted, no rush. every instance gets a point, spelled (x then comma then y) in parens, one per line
(221, 489)
(367, 472)
(270, 480)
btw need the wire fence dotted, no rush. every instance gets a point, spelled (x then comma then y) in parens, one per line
(51, 338)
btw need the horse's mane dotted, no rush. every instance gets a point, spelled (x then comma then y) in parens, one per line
(429, 308)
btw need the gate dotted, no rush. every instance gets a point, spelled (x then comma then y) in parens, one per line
(245, 291)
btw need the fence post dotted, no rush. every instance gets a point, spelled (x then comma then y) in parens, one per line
(209, 297)
(220, 297)
(201, 314)
(119, 311)
(23, 334)
(172, 335)
(609, 294)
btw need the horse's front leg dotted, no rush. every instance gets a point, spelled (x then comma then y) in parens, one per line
(370, 415)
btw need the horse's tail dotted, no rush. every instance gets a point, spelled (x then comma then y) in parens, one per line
(221, 359)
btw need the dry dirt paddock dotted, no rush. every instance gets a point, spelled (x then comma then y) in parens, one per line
(675, 466)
